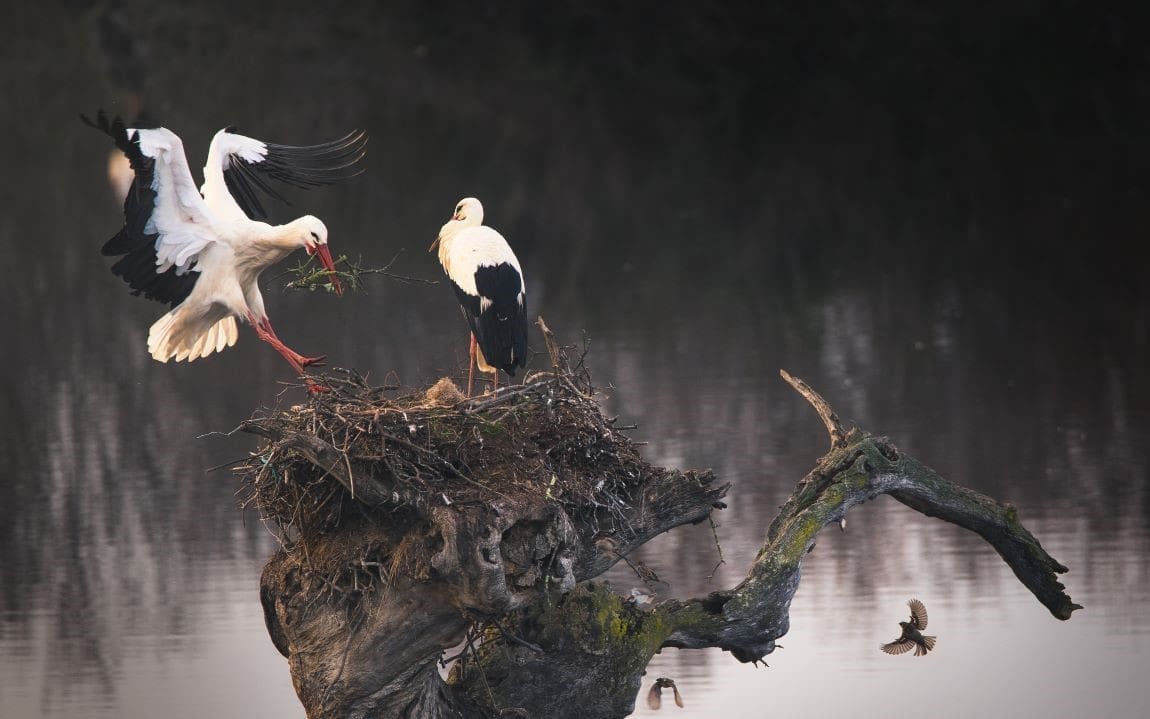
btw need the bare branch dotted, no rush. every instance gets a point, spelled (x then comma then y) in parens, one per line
(748, 618)
(552, 345)
(826, 414)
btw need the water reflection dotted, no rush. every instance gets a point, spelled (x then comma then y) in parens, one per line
(701, 247)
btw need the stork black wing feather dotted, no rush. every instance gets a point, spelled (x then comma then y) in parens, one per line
(302, 167)
(350, 144)
(137, 266)
(501, 327)
(242, 182)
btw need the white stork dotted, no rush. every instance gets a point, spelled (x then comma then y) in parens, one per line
(203, 251)
(489, 285)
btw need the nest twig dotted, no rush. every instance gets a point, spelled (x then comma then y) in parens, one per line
(357, 457)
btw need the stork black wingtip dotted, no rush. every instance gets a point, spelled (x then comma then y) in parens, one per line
(101, 122)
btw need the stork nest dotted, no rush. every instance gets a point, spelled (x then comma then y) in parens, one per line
(351, 476)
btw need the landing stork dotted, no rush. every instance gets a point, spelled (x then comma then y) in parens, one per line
(202, 252)
(489, 285)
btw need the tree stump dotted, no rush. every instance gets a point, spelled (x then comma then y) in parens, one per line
(412, 526)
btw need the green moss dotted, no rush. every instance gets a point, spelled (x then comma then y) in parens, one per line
(590, 630)
(600, 622)
(792, 544)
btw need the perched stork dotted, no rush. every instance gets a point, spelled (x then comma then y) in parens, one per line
(489, 285)
(202, 252)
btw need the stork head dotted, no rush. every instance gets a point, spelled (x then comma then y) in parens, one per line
(314, 235)
(468, 213)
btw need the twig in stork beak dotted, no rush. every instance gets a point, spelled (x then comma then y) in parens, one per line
(324, 255)
(435, 244)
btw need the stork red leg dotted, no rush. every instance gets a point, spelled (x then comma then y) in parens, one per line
(471, 365)
(265, 332)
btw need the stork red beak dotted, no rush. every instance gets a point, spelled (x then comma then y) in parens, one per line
(324, 255)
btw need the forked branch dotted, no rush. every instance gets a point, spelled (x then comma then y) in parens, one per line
(859, 467)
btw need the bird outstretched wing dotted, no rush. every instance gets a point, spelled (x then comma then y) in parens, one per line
(898, 646)
(166, 222)
(917, 614)
(655, 697)
(240, 168)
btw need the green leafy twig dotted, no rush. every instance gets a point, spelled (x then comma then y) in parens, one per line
(311, 276)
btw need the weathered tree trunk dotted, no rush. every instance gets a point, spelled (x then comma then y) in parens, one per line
(506, 573)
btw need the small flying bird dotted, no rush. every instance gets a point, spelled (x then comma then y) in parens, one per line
(202, 252)
(655, 695)
(912, 636)
(489, 285)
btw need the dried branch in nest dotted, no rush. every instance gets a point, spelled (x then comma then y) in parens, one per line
(355, 457)
(579, 374)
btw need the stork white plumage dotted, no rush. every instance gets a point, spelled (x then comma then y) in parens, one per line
(203, 251)
(489, 285)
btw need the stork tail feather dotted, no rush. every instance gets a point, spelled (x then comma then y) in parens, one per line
(175, 336)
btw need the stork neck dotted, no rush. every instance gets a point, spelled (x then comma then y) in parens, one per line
(447, 238)
(268, 244)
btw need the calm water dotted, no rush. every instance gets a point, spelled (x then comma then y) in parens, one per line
(954, 260)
